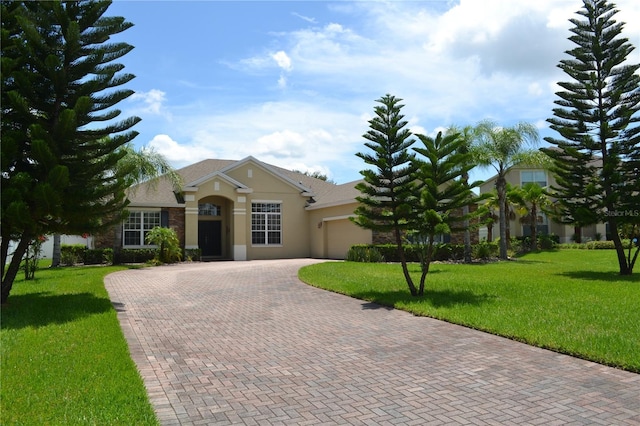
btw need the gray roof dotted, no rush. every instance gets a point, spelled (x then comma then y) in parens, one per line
(159, 192)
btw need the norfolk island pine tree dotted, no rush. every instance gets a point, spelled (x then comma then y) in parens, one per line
(59, 83)
(388, 191)
(597, 154)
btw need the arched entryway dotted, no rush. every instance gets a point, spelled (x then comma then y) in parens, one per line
(214, 224)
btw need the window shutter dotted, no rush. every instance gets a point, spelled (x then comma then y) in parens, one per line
(164, 218)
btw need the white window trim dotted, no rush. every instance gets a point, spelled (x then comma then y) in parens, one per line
(267, 230)
(546, 177)
(138, 246)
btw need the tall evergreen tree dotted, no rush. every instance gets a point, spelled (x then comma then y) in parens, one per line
(388, 190)
(597, 154)
(59, 83)
(442, 179)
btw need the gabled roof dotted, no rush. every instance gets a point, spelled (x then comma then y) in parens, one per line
(216, 174)
(159, 192)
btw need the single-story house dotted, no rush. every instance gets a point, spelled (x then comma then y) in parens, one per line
(521, 175)
(245, 210)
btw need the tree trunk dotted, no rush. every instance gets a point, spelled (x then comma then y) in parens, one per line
(501, 187)
(465, 212)
(14, 267)
(4, 252)
(534, 227)
(425, 264)
(507, 214)
(403, 261)
(57, 252)
(467, 236)
(625, 267)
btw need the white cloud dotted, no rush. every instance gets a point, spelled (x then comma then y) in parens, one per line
(415, 129)
(282, 59)
(282, 81)
(180, 154)
(153, 102)
(281, 144)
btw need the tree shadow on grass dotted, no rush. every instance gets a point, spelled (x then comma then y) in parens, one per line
(608, 276)
(42, 309)
(435, 298)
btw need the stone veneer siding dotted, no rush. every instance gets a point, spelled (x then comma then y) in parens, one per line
(176, 222)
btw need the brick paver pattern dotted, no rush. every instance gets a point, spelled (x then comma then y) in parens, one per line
(248, 343)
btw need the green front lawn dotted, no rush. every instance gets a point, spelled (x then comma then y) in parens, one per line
(64, 357)
(570, 301)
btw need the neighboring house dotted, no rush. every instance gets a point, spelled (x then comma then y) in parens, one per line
(519, 176)
(245, 210)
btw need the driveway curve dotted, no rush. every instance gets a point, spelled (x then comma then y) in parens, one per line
(248, 343)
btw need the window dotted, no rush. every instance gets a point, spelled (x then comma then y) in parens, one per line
(209, 209)
(534, 176)
(266, 224)
(138, 225)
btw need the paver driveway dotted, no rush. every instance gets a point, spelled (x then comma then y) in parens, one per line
(248, 343)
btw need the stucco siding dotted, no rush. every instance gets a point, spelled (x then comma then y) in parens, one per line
(295, 224)
(342, 234)
(261, 181)
(332, 233)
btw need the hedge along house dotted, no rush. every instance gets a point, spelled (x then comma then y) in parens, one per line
(245, 210)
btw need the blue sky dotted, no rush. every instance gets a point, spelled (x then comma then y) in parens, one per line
(293, 83)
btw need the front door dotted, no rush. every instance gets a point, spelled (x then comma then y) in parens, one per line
(210, 237)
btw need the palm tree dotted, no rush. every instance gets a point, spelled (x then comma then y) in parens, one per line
(141, 166)
(531, 198)
(467, 134)
(502, 148)
(147, 165)
(489, 218)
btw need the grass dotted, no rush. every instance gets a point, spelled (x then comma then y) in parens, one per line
(569, 301)
(64, 357)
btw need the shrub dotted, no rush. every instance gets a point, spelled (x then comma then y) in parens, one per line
(98, 256)
(72, 254)
(442, 252)
(193, 254)
(600, 245)
(32, 257)
(169, 246)
(485, 250)
(134, 255)
(516, 246)
(595, 245)
(390, 252)
(107, 255)
(548, 242)
(364, 253)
